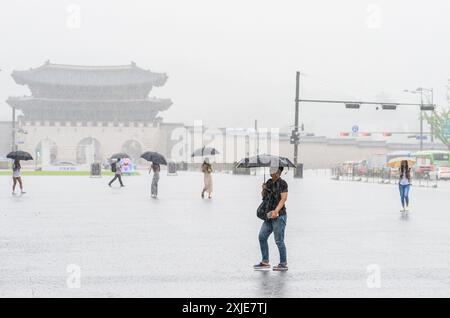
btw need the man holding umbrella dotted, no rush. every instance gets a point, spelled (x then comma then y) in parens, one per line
(276, 220)
(272, 210)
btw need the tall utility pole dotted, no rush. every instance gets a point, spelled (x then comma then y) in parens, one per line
(295, 132)
(257, 137)
(13, 126)
(421, 120)
(432, 127)
(417, 91)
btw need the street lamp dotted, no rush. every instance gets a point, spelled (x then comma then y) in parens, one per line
(423, 107)
(431, 94)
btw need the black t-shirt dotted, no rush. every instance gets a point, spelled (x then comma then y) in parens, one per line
(278, 187)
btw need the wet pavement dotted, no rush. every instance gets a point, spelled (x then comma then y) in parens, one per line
(344, 238)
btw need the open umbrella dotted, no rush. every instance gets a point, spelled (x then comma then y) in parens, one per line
(205, 151)
(19, 155)
(264, 160)
(120, 155)
(154, 157)
(397, 162)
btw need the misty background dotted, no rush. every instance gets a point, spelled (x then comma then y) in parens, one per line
(231, 62)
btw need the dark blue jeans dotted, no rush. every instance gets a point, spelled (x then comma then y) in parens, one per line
(277, 226)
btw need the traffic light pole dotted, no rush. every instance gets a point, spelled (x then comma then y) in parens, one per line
(257, 137)
(355, 105)
(421, 121)
(432, 127)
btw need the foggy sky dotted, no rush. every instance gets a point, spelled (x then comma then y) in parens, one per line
(230, 62)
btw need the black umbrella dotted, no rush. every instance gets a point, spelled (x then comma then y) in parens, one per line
(205, 151)
(264, 160)
(120, 155)
(154, 157)
(19, 155)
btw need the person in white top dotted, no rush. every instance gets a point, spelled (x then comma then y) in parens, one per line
(404, 184)
(16, 177)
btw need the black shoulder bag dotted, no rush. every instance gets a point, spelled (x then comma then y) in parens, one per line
(266, 205)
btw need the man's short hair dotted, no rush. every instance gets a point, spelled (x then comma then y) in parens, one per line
(279, 168)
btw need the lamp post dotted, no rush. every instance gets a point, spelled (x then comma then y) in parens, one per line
(295, 137)
(420, 91)
(295, 131)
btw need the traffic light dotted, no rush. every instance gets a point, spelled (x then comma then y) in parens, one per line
(295, 137)
(352, 106)
(427, 107)
(389, 106)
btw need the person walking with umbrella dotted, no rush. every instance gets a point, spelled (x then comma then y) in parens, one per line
(207, 178)
(276, 220)
(116, 167)
(272, 209)
(206, 168)
(157, 160)
(16, 167)
(156, 169)
(404, 184)
(403, 164)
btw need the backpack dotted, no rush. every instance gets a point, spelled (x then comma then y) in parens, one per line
(113, 167)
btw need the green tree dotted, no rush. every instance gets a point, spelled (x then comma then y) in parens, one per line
(438, 120)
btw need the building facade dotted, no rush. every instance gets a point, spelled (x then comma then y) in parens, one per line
(5, 138)
(83, 114)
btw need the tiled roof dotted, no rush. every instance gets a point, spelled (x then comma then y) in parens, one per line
(76, 75)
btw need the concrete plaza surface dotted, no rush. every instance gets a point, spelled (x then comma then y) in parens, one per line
(343, 238)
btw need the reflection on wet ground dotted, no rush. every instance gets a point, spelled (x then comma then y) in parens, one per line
(128, 244)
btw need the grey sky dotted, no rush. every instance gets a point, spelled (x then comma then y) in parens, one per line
(230, 62)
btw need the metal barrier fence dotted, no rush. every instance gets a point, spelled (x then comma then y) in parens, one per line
(383, 177)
